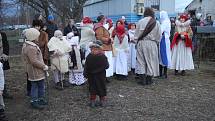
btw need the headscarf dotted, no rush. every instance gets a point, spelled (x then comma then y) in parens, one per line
(165, 22)
(122, 23)
(58, 34)
(184, 16)
(87, 20)
(110, 23)
(120, 32)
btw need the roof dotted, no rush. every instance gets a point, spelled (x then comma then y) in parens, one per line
(90, 2)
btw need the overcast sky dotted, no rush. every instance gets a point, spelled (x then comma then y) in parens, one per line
(181, 4)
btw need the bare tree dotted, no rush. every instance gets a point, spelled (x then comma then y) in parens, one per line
(64, 9)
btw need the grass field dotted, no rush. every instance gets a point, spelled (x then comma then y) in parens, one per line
(178, 98)
(189, 98)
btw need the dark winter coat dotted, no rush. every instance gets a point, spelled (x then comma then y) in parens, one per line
(95, 72)
(5, 45)
(68, 29)
(50, 29)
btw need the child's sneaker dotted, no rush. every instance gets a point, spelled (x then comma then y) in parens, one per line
(42, 101)
(92, 104)
(103, 103)
(36, 105)
(2, 115)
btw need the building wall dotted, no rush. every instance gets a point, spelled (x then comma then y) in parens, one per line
(207, 7)
(167, 5)
(114, 9)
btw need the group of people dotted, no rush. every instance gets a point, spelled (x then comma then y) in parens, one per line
(101, 50)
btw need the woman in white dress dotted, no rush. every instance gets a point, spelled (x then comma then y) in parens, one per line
(181, 46)
(121, 46)
(165, 51)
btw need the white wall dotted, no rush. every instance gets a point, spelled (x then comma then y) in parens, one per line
(167, 5)
(109, 7)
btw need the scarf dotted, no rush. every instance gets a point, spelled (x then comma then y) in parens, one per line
(120, 32)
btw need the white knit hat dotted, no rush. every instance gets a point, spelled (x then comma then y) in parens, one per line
(32, 34)
(58, 33)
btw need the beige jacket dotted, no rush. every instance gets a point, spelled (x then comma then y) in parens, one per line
(103, 35)
(33, 61)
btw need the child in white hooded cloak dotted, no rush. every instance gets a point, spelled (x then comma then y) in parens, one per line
(59, 49)
(76, 69)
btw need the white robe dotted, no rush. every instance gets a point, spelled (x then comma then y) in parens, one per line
(147, 49)
(109, 71)
(121, 61)
(182, 58)
(59, 62)
(132, 50)
(166, 28)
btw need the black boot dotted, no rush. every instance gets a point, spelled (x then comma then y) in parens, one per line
(133, 71)
(165, 72)
(2, 115)
(5, 94)
(66, 83)
(28, 88)
(107, 80)
(161, 70)
(148, 80)
(183, 72)
(176, 72)
(142, 79)
(59, 86)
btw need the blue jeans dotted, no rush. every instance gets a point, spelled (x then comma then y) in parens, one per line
(37, 90)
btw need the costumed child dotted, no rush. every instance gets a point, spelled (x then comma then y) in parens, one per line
(181, 46)
(121, 47)
(35, 68)
(132, 44)
(87, 35)
(2, 106)
(95, 71)
(76, 69)
(165, 51)
(59, 49)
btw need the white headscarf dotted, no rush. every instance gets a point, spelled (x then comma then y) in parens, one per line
(165, 23)
(58, 34)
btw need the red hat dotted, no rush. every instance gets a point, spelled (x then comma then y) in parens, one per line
(184, 16)
(87, 20)
(109, 20)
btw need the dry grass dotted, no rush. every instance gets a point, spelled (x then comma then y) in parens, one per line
(178, 98)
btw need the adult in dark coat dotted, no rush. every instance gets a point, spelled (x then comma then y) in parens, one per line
(5, 46)
(95, 71)
(51, 27)
(71, 28)
(4, 53)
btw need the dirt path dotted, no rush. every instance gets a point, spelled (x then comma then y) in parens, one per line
(188, 98)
